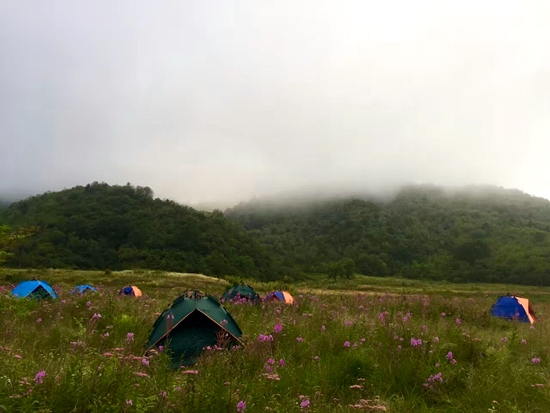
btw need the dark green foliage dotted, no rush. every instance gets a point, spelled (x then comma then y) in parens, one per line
(122, 227)
(485, 234)
(343, 268)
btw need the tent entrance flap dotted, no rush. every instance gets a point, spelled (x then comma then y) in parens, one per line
(190, 337)
(191, 323)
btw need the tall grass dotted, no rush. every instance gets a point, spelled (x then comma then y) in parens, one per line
(339, 352)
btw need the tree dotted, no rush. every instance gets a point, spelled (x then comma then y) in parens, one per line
(343, 268)
(7, 238)
(4, 234)
(372, 265)
(472, 251)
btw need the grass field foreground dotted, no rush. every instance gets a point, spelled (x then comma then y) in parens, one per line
(412, 348)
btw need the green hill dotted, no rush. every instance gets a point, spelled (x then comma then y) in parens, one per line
(122, 227)
(479, 234)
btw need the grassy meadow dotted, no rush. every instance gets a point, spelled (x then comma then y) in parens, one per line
(361, 345)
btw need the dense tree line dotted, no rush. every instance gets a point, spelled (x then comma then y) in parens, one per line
(99, 226)
(484, 234)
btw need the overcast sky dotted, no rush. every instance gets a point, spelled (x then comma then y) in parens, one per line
(222, 101)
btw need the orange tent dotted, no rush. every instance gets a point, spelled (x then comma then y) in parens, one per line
(131, 290)
(513, 308)
(282, 296)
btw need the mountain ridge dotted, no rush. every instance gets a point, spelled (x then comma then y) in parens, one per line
(466, 234)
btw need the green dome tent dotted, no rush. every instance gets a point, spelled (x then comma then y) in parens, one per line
(241, 293)
(192, 322)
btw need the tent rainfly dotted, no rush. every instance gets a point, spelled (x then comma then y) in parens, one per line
(82, 289)
(130, 290)
(192, 322)
(513, 308)
(241, 293)
(34, 289)
(282, 296)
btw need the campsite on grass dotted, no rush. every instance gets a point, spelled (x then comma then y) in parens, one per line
(368, 344)
(275, 206)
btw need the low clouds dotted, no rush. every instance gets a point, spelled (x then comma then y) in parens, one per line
(211, 102)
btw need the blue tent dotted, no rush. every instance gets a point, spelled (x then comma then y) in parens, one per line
(34, 289)
(277, 294)
(84, 288)
(512, 307)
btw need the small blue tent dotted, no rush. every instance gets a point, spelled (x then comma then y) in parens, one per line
(82, 289)
(512, 307)
(35, 289)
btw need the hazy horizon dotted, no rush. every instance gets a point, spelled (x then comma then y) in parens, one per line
(214, 103)
(304, 196)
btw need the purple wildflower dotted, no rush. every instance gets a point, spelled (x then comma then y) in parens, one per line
(416, 342)
(241, 406)
(449, 357)
(263, 337)
(39, 378)
(433, 378)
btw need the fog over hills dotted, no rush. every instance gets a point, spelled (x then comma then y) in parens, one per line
(471, 234)
(216, 103)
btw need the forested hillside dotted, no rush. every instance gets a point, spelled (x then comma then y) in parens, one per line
(483, 234)
(473, 235)
(121, 227)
